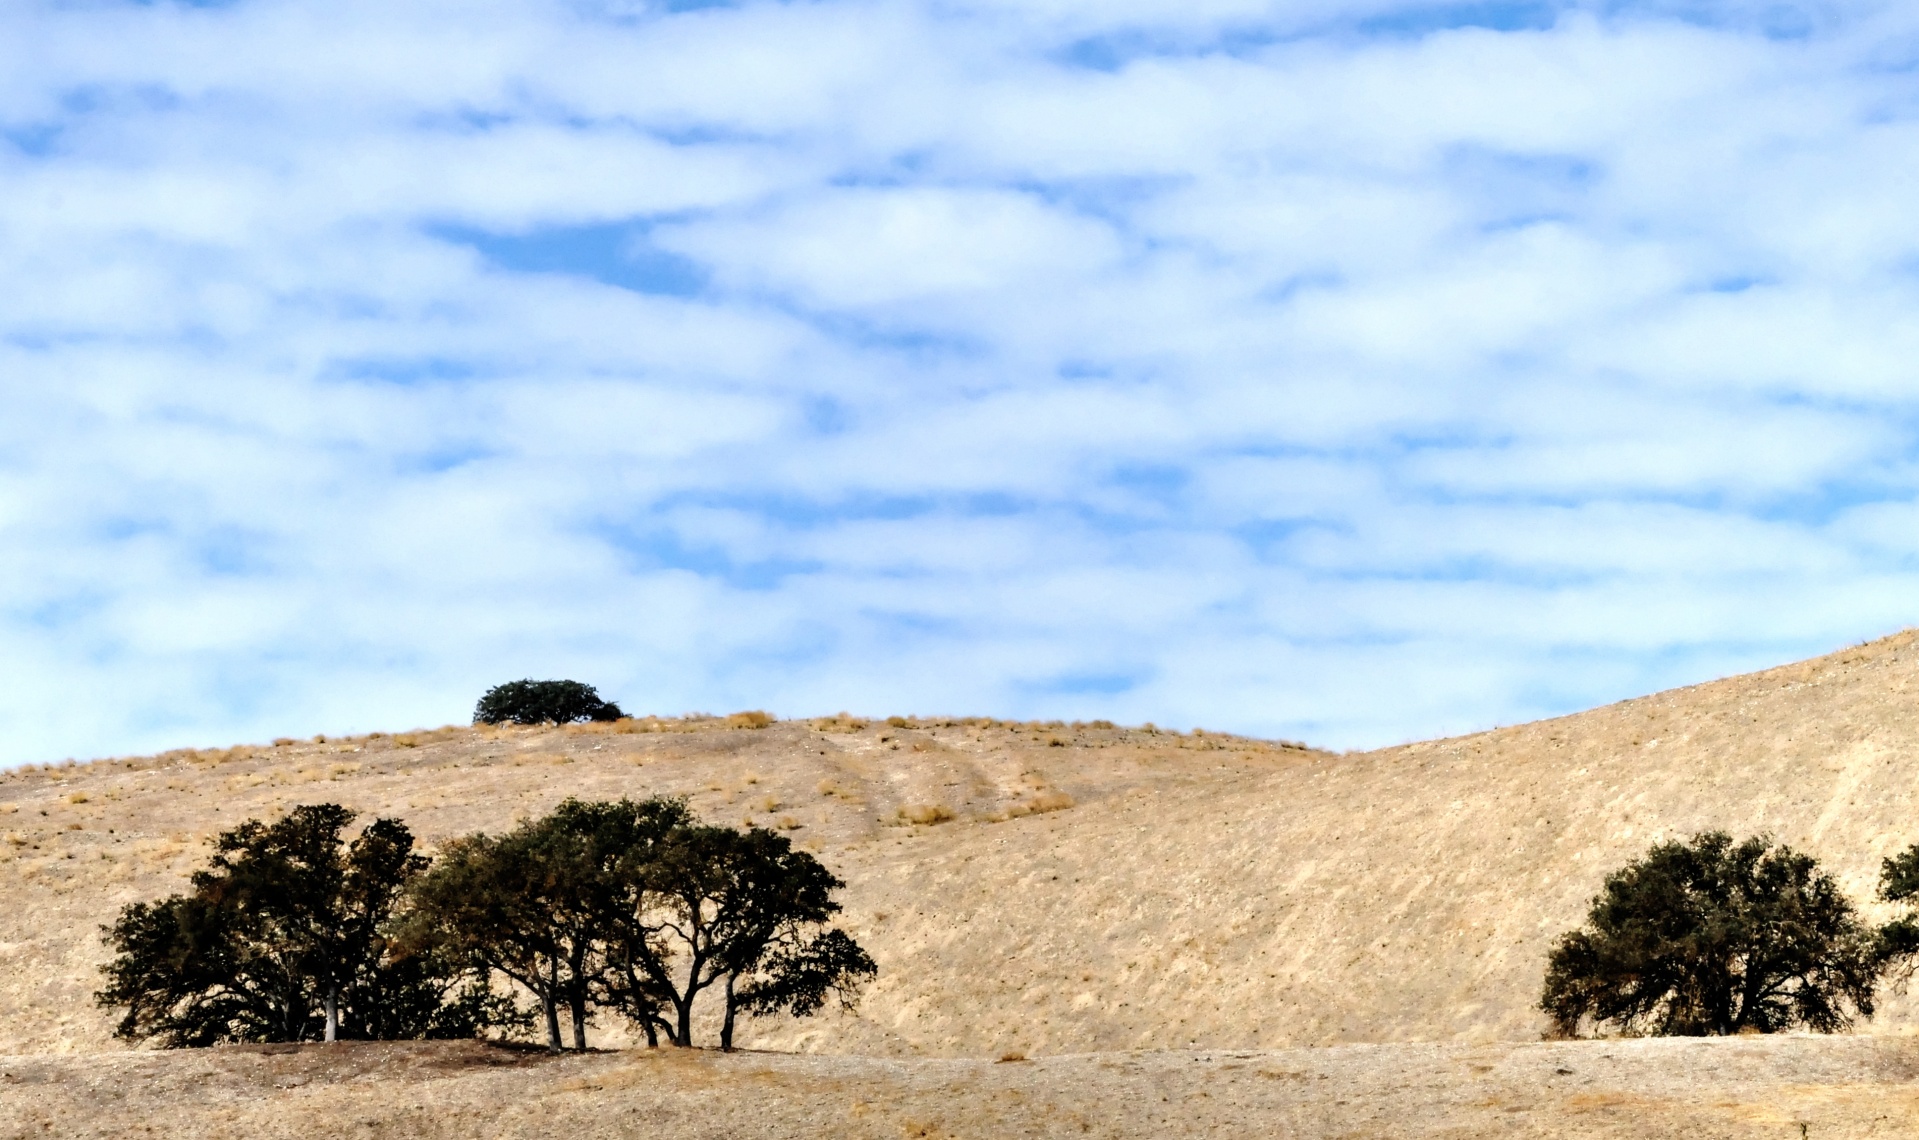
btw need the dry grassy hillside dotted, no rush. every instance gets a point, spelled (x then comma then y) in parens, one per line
(1094, 889)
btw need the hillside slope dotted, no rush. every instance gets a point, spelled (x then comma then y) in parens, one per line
(1200, 891)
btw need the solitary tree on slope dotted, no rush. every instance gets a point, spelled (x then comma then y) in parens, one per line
(1712, 937)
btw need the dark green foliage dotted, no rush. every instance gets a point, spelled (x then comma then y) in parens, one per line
(635, 907)
(533, 904)
(283, 938)
(1712, 937)
(740, 910)
(1899, 939)
(543, 702)
(291, 934)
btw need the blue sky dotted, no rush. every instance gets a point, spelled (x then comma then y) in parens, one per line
(1343, 370)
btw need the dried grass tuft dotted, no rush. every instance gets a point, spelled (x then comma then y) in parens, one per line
(1039, 803)
(926, 814)
(842, 722)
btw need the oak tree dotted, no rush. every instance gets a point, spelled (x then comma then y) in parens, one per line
(543, 702)
(1715, 937)
(282, 937)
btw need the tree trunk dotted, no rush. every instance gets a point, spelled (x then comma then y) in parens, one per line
(552, 1011)
(576, 1005)
(652, 1032)
(726, 1026)
(685, 1011)
(333, 1012)
(549, 1005)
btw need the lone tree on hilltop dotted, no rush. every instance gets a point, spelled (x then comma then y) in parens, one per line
(283, 938)
(543, 702)
(1712, 937)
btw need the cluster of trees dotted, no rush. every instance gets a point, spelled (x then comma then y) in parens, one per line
(295, 933)
(1710, 936)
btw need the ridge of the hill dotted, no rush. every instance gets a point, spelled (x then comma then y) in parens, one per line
(1094, 888)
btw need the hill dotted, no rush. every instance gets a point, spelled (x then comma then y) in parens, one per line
(1065, 890)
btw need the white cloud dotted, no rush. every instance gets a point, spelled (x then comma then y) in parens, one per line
(1313, 369)
(863, 248)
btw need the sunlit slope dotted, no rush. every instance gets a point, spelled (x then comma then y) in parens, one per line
(1408, 894)
(1204, 891)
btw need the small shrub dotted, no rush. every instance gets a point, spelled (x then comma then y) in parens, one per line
(1049, 799)
(927, 814)
(543, 702)
(78, 798)
(752, 718)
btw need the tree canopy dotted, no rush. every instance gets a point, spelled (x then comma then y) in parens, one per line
(537, 903)
(638, 908)
(740, 910)
(283, 938)
(543, 702)
(1715, 937)
(1899, 939)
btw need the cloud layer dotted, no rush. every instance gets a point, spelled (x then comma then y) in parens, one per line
(1341, 370)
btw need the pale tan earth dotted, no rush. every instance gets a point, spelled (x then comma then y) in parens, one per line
(1173, 892)
(1632, 1090)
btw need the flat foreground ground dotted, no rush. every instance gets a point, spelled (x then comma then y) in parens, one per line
(1696, 1089)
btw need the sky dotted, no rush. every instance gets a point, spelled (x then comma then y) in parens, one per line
(1351, 371)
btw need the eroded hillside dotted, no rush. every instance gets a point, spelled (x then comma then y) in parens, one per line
(1094, 888)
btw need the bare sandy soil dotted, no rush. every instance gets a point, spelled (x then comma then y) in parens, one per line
(1647, 1090)
(1067, 891)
